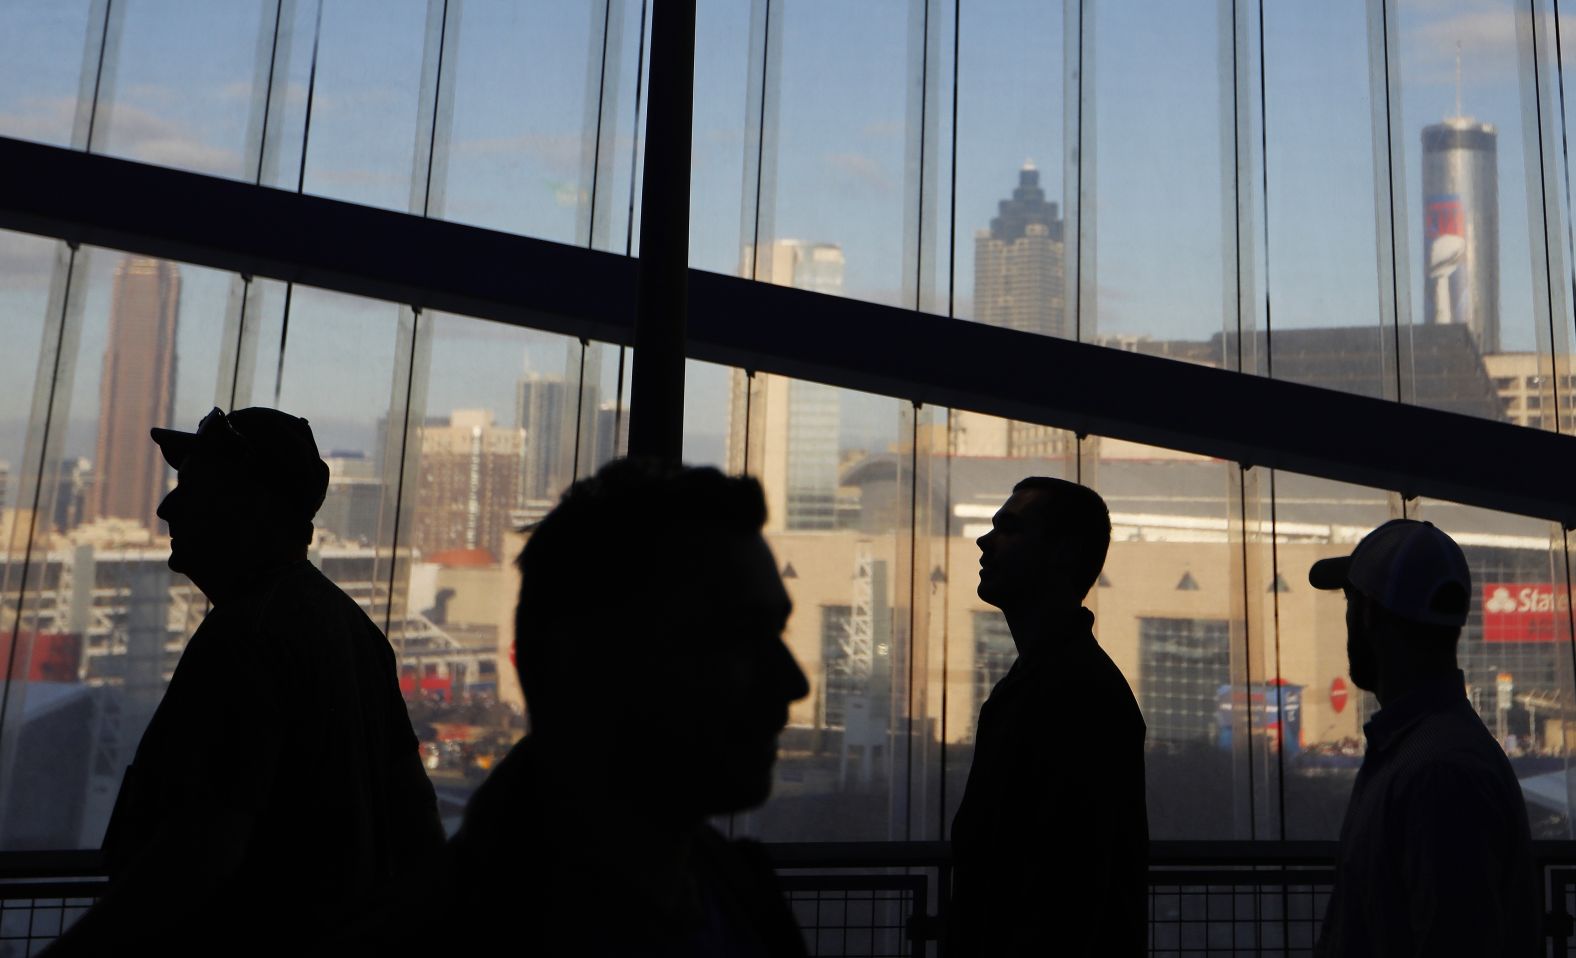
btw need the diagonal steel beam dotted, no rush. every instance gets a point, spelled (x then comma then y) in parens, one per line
(930, 359)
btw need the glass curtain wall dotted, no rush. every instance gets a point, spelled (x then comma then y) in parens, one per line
(444, 434)
(1369, 197)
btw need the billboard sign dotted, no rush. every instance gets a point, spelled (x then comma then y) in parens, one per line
(1273, 709)
(1445, 247)
(1522, 612)
(40, 656)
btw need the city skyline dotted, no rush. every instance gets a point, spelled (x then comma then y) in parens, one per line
(873, 506)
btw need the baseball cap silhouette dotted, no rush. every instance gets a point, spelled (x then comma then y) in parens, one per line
(1411, 568)
(277, 446)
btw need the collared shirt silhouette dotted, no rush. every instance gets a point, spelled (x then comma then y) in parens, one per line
(1435, 855)
(649, 645)
(277, 794)
(1050, 843)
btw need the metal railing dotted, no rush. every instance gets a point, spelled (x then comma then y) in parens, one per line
(878, 899)
(32, 914)
(41, 894)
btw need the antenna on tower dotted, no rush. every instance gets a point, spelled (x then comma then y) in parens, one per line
(1458, 79)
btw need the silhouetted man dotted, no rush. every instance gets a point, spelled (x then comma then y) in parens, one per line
(648, 639)
(277, 793)
(1051, 841)
(1435, 858)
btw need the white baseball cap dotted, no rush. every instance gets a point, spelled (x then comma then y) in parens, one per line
(1411, 568)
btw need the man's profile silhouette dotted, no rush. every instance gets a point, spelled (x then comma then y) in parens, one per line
(1436, 855)
(277, 794)
(648, 640)
(1050, 843)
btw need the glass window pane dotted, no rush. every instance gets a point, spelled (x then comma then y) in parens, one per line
(1478, 272)
(1515, 649)
(1323, 279)
(1011, 242)
(985, 457)
(32, 285)
(1170, 614)
(41, 63)
(838, 175)
(505, 414)
(105, 617)
(363, 139)
(828, 460)
(1163, 172)
(707, 408)
(540, 138)
(1320, 713)
(179, 88)
(726, 135)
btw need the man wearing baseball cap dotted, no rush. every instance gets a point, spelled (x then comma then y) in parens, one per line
(277, 794)
(1436, 856)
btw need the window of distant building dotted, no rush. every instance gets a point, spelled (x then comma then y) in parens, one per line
(838, 681)
(1182, 665)
(994, 653)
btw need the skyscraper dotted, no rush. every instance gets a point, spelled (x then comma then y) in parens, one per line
(1461, 227)
(792, 426)
(612, 434)
(1020, 282)
(137, 391)
(547, 408)
(1020, 264)
(469, 482)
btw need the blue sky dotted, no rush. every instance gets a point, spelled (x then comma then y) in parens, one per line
(183, 90)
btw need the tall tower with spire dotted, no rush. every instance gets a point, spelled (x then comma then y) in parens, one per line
(1461, 224)
(1020, 275)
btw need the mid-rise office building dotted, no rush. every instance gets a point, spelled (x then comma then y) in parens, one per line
(786, 431)
(468, 483)
(563, 429)
(352, 506)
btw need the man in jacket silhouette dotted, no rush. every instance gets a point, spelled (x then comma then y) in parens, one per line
(1050, 843)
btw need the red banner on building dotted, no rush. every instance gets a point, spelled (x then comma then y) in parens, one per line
(1522, 612)
(40, 656)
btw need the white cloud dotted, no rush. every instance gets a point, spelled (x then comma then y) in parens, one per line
(860, 168)
(561, 152)
(46, 119)
(144, 135)
(241, 91)
(26, 261)
(130, 131)
(1491, 44)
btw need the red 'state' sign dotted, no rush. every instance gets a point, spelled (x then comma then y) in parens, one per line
(1522, 612)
